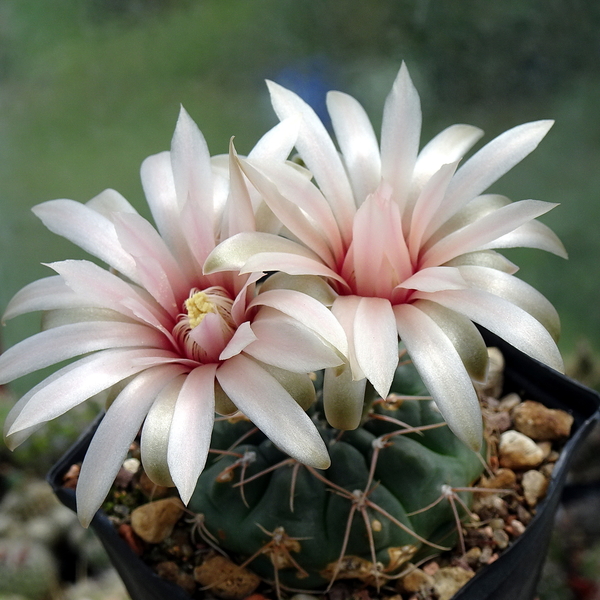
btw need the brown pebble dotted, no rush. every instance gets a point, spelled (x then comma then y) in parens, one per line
(518, 451)
(502, 479)
(516, 528)
(541, 423)
(501, 538)
(154, 521)
(417, 580)
(71, 477)
(534, 487)
(226, 579)
(498, 421)
(431, 568)
(449, 580)
(473, 555)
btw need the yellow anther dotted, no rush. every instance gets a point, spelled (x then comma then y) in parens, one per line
(198, 306)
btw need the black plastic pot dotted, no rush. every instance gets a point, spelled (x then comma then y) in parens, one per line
(513, 576)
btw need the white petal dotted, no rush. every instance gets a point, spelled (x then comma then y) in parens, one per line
(489, 164)
(505, 319)
(442, 372)
(435, 279)
(243, 336)
(481, 233)
(112, 439)
(308, 311)
(285, 343)
(376, 342)
(266, 403)
(400, 134)
(319, 154)
(77, 382)
(357, 142)
(448, 146)
(191, 429)
(516, 291)
(231, 254)
(44, 294)
(275, 145)
(61, 343)
(89, 230)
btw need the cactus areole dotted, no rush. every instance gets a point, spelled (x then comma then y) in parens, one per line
(361, 518)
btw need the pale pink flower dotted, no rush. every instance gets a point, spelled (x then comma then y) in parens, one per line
(408, 243)
(177, 344)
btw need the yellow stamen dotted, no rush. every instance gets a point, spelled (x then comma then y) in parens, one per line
(198, 306)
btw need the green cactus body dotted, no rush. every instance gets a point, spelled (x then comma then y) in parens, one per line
(295, 520)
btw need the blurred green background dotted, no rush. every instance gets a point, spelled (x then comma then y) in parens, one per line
(89, 88)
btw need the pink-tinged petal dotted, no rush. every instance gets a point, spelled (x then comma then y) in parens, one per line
(87, 229)
(369, 242)
(482, 232)
(376, 342)
(233, 253)
(307, 311)
(516, 291)
(400, 134)
(442, 372)
(463, 334)
(191, 429)
(435, 279)
(100, 288)
(275, 145)
(299, 205)
(531, 235)
(266, 403)
(505, 319)
(284, 343)
(247, 287)
(426, 206)
(209, 336)
(79, 381)
(159, 188)
(154, 440)
(344, 310)
(343, 398)
(110, 201)
(320, 155)
(192, 171)
(448, 146)
(44, 294)
(358, 143)
(62, 343)
(244, 336)
(110, 444)
(312, 285)
(156, 268)
(239, 213)
(489, 164)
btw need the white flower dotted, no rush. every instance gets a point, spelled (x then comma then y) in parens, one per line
(181, 344)
(408, 243)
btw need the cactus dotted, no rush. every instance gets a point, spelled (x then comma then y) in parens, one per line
(361, 518)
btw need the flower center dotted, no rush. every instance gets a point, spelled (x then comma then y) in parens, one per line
(198, 306)
(206, 325)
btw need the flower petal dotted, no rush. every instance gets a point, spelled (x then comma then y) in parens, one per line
(435, 279)
(191, 429)
(285, 343)
(77, 382)
(307, 311)
(505, 319)
(89, 230)
(358, 143)
(114, 435)
(62, 343)
(319, 154)
(376, 342)
(481, 233)
(489, 164)
(266, 403)
(343, 398)
(442, 372)
(400, 134)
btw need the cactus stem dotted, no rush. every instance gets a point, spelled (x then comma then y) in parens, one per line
(197, 520)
